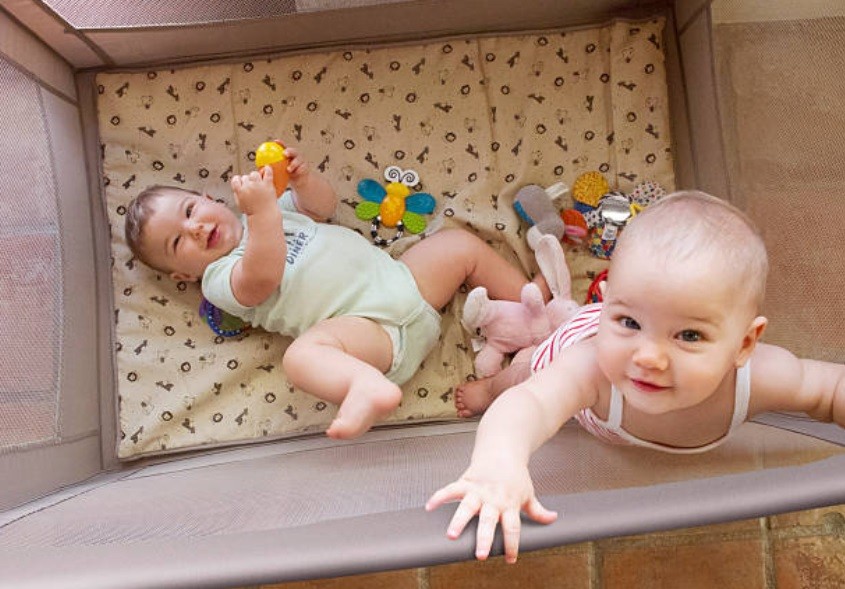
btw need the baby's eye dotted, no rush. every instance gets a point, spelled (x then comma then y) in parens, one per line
(690, 335)
(628, 323)
(189, 209)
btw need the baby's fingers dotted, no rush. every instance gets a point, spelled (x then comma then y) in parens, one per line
(267, 174)
(538, 513)
(451, 492)
(510, 531)
(488, 519)
(469, 506)
(297, 167)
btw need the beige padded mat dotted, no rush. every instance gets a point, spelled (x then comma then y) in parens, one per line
(477, 118)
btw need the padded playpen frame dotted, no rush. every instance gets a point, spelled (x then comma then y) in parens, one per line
(75, 516)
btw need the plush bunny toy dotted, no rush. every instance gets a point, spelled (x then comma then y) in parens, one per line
(503, 327)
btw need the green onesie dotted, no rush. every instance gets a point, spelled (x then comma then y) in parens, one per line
(332, 271)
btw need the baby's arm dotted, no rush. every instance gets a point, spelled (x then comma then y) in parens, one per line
(497, 484)
(315, 197)
(783, 382)
(259, 272)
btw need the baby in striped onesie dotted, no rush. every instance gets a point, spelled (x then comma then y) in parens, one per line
(671, 360)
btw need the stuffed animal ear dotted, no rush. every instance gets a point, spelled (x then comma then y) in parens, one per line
(532, 299)
(552, 263)
(476, 309)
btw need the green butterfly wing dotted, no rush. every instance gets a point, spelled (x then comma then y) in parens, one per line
(366, 210)
(413, 222)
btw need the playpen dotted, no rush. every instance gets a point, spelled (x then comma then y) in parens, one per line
(139, 449)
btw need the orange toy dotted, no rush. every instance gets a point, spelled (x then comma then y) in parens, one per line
(575, 227)
(272, 153)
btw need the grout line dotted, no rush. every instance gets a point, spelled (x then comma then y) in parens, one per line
(594, 562)
(769, 579)
(423, 578)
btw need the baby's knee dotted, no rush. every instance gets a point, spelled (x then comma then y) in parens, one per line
(296, 356)
(460, 238)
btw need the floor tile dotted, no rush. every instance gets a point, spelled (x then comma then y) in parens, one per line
(833, 517)
(703, 564)
(561, 568)
(404, 579)
(810, 563)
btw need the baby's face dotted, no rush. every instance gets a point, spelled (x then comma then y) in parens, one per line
(670, 334)
(187, 232)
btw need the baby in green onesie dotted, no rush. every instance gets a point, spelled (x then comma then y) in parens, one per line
(362, 321)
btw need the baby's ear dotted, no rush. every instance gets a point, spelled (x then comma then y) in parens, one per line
(749, 341)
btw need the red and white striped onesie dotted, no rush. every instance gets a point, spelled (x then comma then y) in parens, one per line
(585, 324)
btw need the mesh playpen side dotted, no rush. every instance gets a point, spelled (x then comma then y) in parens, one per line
(75, 516)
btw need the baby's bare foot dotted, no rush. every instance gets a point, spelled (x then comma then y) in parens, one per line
(367, 401)
(474, 397)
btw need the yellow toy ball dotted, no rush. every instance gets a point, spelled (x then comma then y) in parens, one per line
(589, 187)
(272, 153)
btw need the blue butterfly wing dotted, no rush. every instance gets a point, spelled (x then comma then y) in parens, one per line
(371, 190)
(420, 202)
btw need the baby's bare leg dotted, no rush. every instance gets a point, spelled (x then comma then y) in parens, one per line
(444, 260)
(475, 396)
(342, 360)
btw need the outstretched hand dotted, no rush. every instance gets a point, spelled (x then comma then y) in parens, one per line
(496, 500)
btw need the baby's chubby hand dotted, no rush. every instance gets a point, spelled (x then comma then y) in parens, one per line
(298, 167)
(497, 498)
(254, 192)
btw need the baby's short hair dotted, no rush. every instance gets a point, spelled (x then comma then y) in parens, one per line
(138, 212)
(689, 224)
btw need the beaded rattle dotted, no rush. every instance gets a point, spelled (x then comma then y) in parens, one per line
(222, 323)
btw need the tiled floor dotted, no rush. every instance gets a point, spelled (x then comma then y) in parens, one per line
(803, 550)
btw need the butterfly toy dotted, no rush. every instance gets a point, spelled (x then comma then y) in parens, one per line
(393, 205)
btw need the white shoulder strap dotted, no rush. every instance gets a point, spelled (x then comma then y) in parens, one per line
(614, 413)
(742, 395)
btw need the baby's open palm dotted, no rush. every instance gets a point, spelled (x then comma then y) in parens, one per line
(497, 497)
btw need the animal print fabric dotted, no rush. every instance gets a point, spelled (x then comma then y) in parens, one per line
(477, 118)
